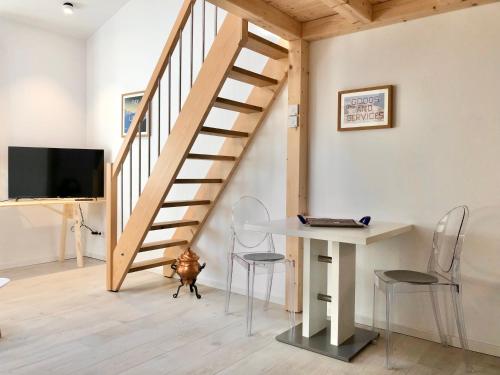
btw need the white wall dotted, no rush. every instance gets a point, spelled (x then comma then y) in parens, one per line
(42, 96)
(442, 152)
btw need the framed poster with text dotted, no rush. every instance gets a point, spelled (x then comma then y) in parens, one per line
(368, 108)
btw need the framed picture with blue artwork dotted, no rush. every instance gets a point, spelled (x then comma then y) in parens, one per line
(368, 108)
(130, 104)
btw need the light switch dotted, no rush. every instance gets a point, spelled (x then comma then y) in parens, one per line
(293, 115)
(293, 121)
(293, 110)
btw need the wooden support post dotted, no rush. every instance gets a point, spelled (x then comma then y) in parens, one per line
(297, 153)
(64, 231)
(77, 222)
(111, 222)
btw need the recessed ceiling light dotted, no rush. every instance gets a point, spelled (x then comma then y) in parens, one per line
(68, 8)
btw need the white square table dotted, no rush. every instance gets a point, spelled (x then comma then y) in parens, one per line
(329, 278)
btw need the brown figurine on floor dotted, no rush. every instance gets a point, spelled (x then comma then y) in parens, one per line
(188, 268)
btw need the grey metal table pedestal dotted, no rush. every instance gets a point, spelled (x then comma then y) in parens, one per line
(320, 342)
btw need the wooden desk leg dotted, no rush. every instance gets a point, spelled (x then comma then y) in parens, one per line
(314, 282)
(341, 287)
(78, 235)
(64, 232)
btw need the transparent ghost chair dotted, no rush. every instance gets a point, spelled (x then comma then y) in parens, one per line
(257, 252)
(443, 271)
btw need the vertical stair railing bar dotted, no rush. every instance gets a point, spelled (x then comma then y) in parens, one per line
(127, 180)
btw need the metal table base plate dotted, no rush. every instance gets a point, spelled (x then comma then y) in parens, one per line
(320, 342)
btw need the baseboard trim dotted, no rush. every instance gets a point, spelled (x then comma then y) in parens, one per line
(32, 262)
(242, 291)
(49, 259)
(96, 255)
(474, 345)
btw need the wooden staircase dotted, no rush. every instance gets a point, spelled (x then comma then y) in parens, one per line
(218, 66)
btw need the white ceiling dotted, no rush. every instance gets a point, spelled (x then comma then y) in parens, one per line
(89, 15)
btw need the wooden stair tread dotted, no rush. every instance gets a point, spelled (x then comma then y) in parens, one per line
(252, 78)
(199, 181)
(233, 105)
(152, 263)
(194, 202)
(211, 157)
(265, 47)
(173, 224)
(162, 245)
(223, 132)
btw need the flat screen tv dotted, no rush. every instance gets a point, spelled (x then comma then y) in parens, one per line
(55, 173)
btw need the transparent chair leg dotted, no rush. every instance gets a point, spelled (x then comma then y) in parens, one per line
(389, 297)
(248, 294)
(229, 280)
(437, 314)
(250, 284)
(459, 318)
(290, 268)
(374, 309)
(269, 285)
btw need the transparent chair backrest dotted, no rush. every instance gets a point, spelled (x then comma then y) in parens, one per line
(447, 243)
(248, 209)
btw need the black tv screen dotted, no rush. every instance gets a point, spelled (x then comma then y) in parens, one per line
(55, 173)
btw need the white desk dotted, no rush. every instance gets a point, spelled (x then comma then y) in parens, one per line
(70, 211)
(336, 247)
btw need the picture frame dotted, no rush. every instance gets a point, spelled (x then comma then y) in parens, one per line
(130, 103)
(365, 108)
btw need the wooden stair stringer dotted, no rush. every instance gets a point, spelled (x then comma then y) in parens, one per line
(213, 73)
(262, 96)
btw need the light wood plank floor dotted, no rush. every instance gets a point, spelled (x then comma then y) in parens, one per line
(56, 319)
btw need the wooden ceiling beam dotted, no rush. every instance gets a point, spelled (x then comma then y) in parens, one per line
(386, 13)
(263, 15)
(353, 11)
